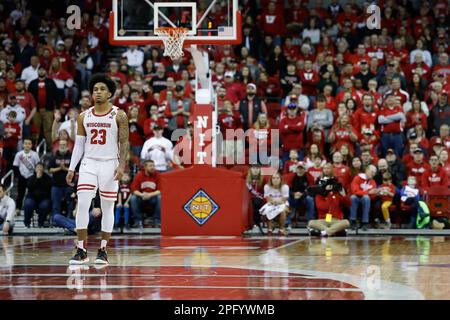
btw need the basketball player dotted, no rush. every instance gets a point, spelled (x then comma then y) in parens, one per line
(102, 146)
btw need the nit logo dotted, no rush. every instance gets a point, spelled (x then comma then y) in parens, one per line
(201, 207)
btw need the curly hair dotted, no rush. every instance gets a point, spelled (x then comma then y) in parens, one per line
(101, 77)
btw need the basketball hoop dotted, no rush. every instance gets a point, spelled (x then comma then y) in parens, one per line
(173, 39)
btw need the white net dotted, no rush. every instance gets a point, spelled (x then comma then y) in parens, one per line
(173, 39)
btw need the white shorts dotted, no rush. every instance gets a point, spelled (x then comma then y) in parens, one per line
(98, 174)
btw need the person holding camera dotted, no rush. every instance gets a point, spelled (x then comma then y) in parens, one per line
(330, 199)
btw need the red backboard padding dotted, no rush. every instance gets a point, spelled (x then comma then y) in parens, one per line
(226, 188)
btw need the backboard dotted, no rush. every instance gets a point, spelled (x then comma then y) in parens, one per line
(208, 21)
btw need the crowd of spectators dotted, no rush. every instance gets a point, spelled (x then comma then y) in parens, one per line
(367, 106)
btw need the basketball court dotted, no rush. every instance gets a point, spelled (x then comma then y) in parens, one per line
(203, 251)
(152, 267)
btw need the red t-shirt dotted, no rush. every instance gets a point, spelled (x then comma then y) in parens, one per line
(417, 170)
(436, 178)
(14, 130)
(393, 127)
(315, 172)
(145, 183)
(391, 189)
(342, 173)
(290, 166)
(42, 95)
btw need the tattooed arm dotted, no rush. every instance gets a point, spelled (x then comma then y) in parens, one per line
(122, 123)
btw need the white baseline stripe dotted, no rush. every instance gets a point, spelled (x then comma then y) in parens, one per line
(105, 287)
(81, 274)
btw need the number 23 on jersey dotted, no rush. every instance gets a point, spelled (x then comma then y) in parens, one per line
(98, 136)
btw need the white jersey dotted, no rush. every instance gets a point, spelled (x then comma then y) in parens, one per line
(102, 135)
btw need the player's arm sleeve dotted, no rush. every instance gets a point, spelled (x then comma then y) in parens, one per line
(80, 141)
(78, 151)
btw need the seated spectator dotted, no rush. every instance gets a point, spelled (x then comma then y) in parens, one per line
(366, 159)
(7, 212)
(363, 189)
(355, 166)
(343, 133)
(122, 204)
(145, 188)
(444, 161)
(416, 116)
(437, 147)
(410, 196)
(316, 170)
(341, 171)
(296, 96)
(418, 166)
(382, 168)
(158, 149)
(95, 218)
(435, 176)
(439, 113)
(298, 198)
(386, 193)
(152, 120)
(396, 167)
(38, 196)
(276, 194)
(443, 137)
(61, 191)
(313, 153)
(291, 164)
(255, 185)
(347, 154)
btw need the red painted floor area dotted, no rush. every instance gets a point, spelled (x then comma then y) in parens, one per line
(165, 282)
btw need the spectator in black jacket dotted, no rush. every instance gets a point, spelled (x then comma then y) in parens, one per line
(45, 93)
(439, 114)
(38, 196)
(396, 167)
(61, 191)
(297, 193)
(383, 167)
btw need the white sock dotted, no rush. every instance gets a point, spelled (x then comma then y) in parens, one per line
(388, 220)
(81, 244)
(323, 232)
(103, 244)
